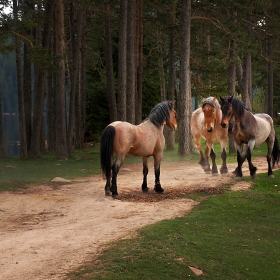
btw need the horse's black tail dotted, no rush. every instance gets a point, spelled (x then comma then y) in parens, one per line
(275, 152)
(106, 150)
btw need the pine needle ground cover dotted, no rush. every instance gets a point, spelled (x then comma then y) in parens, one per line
(234, 235)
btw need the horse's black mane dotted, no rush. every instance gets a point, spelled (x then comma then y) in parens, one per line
(160, 113)
(238, 105)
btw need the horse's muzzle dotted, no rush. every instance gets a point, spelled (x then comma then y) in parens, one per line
(210, 129)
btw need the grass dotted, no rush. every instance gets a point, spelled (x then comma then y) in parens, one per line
(230, 236)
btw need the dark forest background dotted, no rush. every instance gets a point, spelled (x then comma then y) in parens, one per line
(69, 68)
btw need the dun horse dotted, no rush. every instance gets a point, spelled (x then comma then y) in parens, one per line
(145, 140)
(250, 130)
(205, 123)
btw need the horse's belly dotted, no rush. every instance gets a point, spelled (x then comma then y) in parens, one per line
(262, 131)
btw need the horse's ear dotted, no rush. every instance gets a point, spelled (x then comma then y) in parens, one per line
(203, 99)
(222, 99)
(214, 99)
(230, 99)
(173, 103)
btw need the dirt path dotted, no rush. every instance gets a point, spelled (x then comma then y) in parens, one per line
(48, 230)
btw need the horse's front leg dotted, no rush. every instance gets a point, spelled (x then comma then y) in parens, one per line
(214, 165)
(158, 188)
(238, 171)
(252, 168)
(206, 166)
(224, 168)
(145, 173)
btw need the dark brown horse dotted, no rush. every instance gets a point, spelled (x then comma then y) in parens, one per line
(205, 123)
(250, 130)
(145, 140)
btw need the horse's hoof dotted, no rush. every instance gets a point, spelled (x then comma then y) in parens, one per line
(159, 189)
(238, 178)
(215, 174)
(271, 176)
(145, 190)
(224, 171)
(115, 196)
(208, 171)
(107, 193)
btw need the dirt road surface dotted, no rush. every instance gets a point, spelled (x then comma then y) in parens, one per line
(53, 228)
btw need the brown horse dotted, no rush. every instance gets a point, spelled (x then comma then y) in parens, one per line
(205, 123)
(146, 139)
(250, 130)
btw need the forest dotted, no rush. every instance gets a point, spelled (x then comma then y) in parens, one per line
(68, 68)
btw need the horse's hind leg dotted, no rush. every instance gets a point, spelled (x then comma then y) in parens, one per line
(107, 186)
(115, 170)
(145, 173)
(270, 144)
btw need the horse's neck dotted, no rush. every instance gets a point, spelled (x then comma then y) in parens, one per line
(148, 124)
(218, 116)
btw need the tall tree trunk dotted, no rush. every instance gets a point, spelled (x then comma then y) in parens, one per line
(170, 135)
(122, 64)
(139, 46)
(50, 112)
(28, 8)
(60, 100)
(81, 91)
(185, 102)
(109, 63)
(161, 66)
(131, 71)
(269, 81)
(37, 137)
(21, 110)
(2, 146)
(82, 80)
(232, 86)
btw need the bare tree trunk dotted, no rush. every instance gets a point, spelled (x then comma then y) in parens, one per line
(161, 67)
(269, 81)
(131, 71)
(37, 136)
(122, 64)
(21, 110)
(170, 135)
(109, 63)
(60, 100)
(2, 146)
(139, 91)
(82, 80)
(50, 113)
(185, 102)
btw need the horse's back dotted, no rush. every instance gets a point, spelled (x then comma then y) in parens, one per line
(264, 128)
(138, 140)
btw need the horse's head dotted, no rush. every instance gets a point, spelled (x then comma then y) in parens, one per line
(171, 122)
(227, 111)
(209, 110)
